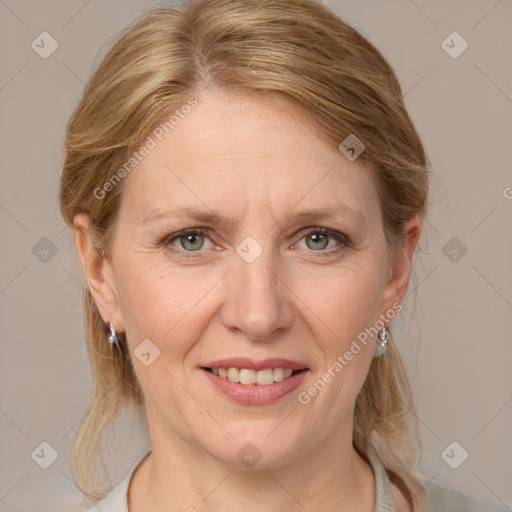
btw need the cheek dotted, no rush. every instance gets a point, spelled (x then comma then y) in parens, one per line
(342, 303)
(163, 305)
(344, 306)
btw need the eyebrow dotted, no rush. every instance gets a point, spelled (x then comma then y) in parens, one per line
(333, 212)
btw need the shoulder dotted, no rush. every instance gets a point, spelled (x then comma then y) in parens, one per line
(444, 499)
(115, 501)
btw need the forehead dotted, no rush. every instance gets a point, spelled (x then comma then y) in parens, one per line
(258, 150)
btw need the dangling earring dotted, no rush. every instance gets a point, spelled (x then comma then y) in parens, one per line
(381, 346)
(113, 338)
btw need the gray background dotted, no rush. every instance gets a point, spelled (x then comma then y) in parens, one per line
(457, 342)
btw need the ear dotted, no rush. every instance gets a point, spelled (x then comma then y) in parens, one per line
(98, 273)
(399, 274)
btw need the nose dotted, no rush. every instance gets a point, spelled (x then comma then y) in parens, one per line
(257, 299)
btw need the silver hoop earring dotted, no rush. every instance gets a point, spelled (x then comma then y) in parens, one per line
(381, 346)
(113, 338)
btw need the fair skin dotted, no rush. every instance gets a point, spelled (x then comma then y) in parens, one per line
(255, 162)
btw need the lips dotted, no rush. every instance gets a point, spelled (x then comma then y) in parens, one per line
(255, 382)
(255, 394)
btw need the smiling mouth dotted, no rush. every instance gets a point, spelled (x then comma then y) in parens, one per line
(249, 376)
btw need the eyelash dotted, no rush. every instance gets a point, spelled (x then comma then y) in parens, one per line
(345, 242)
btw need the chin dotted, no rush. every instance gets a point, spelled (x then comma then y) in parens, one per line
(258, 451)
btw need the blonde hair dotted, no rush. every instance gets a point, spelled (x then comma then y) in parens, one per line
(297, 50)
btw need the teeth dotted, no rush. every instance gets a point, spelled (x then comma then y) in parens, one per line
(278, 374)
(265, 377)
(248, 376)
(234, 374)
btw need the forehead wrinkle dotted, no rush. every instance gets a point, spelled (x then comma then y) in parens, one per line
(335, 211)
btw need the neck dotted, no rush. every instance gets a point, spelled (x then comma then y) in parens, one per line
(181, 476)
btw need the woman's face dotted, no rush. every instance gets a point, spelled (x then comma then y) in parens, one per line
(260, 281)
